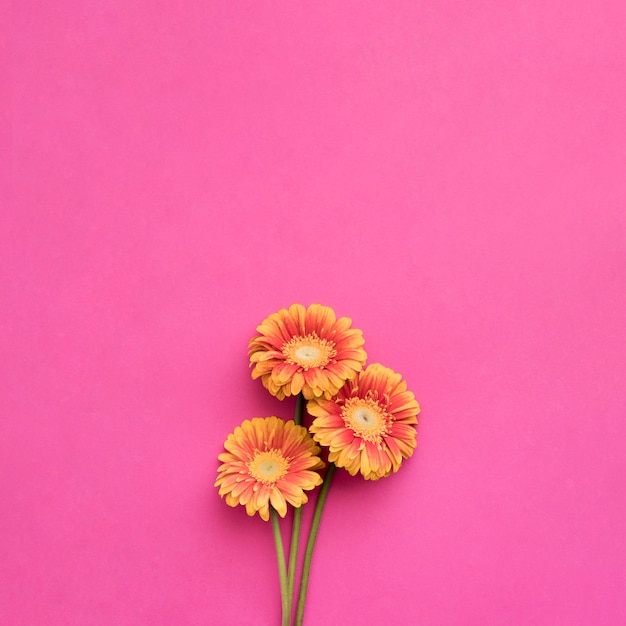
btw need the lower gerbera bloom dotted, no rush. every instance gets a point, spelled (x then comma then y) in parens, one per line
(369, 427)
(268, 461)
(306, 350)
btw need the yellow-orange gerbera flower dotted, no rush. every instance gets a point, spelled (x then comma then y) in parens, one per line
(370, 426)
(306, 350)
(268, 461)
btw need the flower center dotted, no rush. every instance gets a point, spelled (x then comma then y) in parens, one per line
(366, 418)
(267, 467)
(309, 351)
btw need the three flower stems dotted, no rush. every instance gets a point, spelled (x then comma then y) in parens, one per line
(288, 577)
(308, 555)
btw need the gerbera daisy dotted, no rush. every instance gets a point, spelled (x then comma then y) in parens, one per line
(370, 426)
(306, 350)
(268, 461)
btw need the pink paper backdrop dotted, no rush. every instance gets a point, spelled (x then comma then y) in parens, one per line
(450, 175)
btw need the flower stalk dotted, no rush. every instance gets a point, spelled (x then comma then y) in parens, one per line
(297, 521)
(308, 555)
(282, 571)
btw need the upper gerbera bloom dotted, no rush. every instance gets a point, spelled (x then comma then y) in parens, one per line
(370, 426)
(306, 350)
(268, 461)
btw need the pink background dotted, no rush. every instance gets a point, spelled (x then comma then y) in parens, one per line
(450, 175)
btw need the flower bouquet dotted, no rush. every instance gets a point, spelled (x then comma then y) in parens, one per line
(363, 417)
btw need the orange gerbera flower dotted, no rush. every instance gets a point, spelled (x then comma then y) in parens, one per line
(268, 461)
(306, 350)
(370, 426)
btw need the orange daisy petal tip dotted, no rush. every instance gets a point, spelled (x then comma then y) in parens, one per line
(369, 427)
(268, 462)
(306, 350)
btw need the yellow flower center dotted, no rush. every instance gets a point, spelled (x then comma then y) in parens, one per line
(309, 351)
(267, 467)
(367, 419)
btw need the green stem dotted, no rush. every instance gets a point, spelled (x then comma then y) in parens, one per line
(308, 555)
(297, 521)
(293, 554)
(282, 572)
